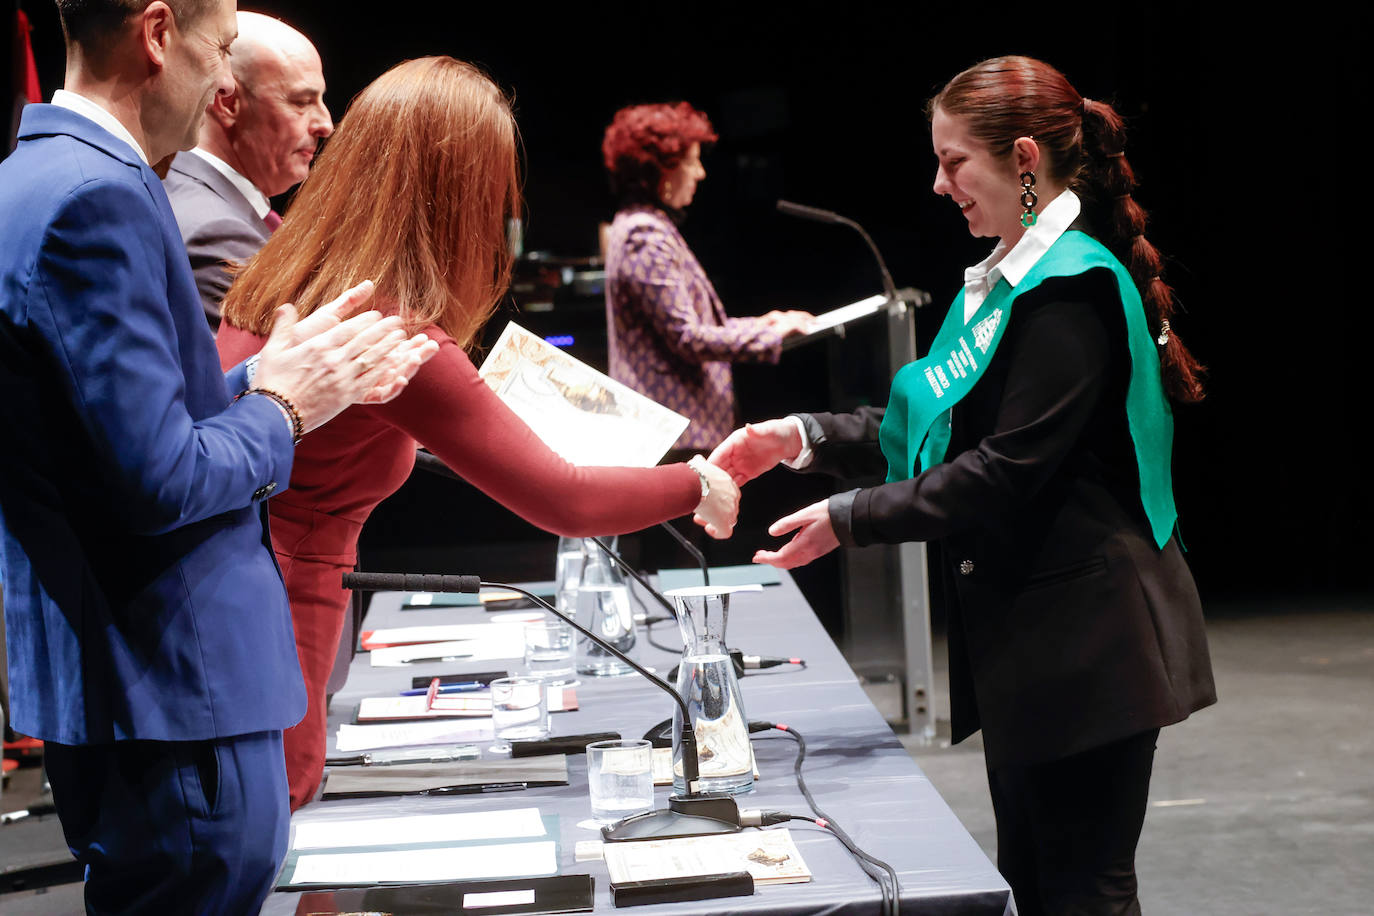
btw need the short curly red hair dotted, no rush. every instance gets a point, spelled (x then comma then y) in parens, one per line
(645, 141)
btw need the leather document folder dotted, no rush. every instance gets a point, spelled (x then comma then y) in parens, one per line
(558, 894)
(462, 777)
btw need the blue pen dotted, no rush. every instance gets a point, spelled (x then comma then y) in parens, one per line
(445, 688)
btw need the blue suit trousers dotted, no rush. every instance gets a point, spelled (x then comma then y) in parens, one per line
(195, 827)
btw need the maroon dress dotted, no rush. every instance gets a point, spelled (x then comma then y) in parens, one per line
(346, 467)
(669, 338)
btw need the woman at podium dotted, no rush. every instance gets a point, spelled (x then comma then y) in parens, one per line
(414, 191)
(668, 334)
(1034, 442)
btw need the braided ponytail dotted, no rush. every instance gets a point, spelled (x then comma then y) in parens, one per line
(1082, 143)
(1105, 181)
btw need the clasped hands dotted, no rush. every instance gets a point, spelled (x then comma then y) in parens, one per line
(745, 454)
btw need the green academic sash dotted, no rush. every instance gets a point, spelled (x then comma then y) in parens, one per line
(916, 426)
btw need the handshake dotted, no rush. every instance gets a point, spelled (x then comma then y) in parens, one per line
(745, 454)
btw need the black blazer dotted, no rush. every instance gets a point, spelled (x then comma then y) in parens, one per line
(1069, 628)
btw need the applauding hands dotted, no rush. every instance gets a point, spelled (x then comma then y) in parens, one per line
(323, 363)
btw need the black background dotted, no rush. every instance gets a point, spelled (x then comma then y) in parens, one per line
(1245, 133)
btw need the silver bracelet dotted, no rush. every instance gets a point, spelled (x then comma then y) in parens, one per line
(701, 475)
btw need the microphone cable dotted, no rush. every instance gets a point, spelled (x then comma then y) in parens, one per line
(883, 874)
(649, 621)
(744, 664)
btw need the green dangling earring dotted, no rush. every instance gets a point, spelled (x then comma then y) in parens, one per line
(1028, 198)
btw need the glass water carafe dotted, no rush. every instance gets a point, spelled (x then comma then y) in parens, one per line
(706, 680)
(567, 564)
(602, 603)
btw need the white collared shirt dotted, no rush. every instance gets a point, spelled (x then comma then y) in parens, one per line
(261, 205)
(1014, 263)
(93, 112)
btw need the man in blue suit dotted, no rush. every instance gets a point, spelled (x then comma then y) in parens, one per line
(149, 635)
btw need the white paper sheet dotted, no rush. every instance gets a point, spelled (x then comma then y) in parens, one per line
(446, 706)
(450, 863)
(428, 828)
(354, 738)
(503, 641)
(769, 855)
(467, 705)
(397, 636)
(846, 313)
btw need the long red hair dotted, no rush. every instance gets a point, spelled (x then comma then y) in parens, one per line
(413, 191)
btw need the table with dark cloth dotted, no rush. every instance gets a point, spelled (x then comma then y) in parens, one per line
(855, 768)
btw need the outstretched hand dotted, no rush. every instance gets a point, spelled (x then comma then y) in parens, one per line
(719, 509)
(746, 453)
(815, 537)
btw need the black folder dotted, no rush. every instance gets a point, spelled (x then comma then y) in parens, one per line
(558, 894)
(464, 776)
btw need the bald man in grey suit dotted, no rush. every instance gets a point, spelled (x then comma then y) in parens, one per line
(255, 143)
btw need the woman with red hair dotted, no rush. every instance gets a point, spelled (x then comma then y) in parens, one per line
(414, 191)
(668, 333)
(1034, 442)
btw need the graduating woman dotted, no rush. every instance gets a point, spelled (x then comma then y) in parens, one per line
(414, 191)
(1034, 442)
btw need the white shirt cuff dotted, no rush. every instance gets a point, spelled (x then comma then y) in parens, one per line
(804, 457)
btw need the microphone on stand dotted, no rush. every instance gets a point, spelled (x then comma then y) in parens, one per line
(916, 297)
(694, 813)
(687, 546)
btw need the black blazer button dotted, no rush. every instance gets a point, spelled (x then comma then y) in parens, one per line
(966, 568)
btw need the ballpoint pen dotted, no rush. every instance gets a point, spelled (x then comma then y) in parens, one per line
(446, 688)
(438, 658)
(477, 790)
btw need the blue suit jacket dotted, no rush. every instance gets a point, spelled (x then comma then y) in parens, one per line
(142, 599)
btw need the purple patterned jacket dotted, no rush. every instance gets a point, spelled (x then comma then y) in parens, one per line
(668, 333)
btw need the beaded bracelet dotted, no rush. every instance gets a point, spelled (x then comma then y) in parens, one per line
(294, 415)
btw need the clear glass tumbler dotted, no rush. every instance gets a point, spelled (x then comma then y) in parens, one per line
(549, 652)
(519, 710)
(620, 778)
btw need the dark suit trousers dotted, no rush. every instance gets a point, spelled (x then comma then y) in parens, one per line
(172, 827)
(1067, 829)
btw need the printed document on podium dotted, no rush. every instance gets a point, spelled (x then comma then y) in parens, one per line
(586, 417)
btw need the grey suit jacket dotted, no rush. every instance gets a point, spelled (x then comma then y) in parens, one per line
(217, 223)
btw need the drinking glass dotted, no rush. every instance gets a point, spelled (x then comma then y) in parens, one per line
(549, 653)
(519, 710)
(620, 778)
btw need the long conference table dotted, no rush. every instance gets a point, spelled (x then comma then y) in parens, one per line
(855, 767)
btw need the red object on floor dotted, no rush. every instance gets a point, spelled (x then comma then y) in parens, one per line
(8, 765)
(21, 749)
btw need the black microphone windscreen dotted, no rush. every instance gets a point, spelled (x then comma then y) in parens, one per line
(410, 582)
